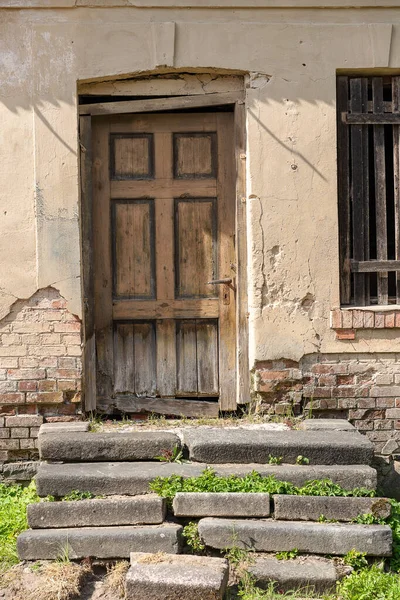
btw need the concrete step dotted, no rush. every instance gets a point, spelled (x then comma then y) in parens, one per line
(313, 538)
(130, 478)
(310, 574)
(244, 446)
(70, 446)
(188, 504)
(98, 542)
(116, 510)
(310, 508)
(156, 577)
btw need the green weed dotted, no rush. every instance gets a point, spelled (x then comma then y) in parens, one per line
(302, 460)
(171, 456)
(208, 481)
(191, 534)
(76, 495)
(370, 584)
(275, 460)
(287, 555)
(356, 560)
(13, 502)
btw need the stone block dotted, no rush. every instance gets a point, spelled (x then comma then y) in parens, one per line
(308, 574)
(202, 504)
(278, 536)
(162, 577)
(326, 424)
(24, 421)
(117, 510)
(245, 446)
(133, 478)
(96, 447)
(98, 542)
(310, 508)
(20, 471)
(4, 433)
(78, 426)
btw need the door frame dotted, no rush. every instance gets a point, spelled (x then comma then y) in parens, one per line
(86, 112)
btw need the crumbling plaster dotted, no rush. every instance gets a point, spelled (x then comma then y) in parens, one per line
(291, 156)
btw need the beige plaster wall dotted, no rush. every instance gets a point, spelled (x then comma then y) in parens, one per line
(291, 55)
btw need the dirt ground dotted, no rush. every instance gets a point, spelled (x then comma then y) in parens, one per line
(33, 582)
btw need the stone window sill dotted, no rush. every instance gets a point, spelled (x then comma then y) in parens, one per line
(346, 321)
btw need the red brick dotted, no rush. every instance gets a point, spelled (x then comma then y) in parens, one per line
(384, 424)
(379, 320)
(364, 425)
(67, 327)
(385, 402)
(66, 362)
(389, 319)
(318, 368)
(347, 403)
(327, 380)
(12, 398)
(64, 419)
(397, 318)
(344, 392)
(266, 388)
(358, 319)
(346, 334)
(27, 409)
(366, 402)
(59, 303)
(347, 319)
(45, 397)
(336, 319)
(369, 319)
(346, 379)
(7, 410)
(66, 385)
(27, 386)
(76, 373)
(26, 373)
(47, 385)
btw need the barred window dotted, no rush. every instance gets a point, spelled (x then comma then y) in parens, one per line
(368, 111)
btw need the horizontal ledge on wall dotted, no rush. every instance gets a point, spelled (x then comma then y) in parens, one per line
(204, 4)
(347, 321)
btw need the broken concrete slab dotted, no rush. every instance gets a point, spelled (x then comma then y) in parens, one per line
(133, 478)
(98, 542)
(327, 424)
(116, 510)
(314, 538)
(241, 446)
(161, 577)
(310, 574)
(187, 504)
(67, 446)
(74, 426)
(310, 508)
(20, 471)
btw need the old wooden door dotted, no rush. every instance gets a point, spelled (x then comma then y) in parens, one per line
(164, 220)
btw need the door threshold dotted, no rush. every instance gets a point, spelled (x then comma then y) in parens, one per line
(163, 406)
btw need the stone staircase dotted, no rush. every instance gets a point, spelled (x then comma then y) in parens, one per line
(128, 521)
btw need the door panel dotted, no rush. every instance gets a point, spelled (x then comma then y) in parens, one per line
(163, 228)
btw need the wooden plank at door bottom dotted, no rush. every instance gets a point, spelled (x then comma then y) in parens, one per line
(166, 358)
(167, 406)
(166, 309)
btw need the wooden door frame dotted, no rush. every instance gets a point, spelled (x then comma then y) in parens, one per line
(86, 112)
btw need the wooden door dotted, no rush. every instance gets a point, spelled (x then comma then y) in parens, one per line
(163, 227)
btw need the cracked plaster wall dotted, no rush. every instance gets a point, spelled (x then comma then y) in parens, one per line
(291, 158)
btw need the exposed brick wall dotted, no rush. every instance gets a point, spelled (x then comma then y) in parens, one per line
(364, 388)
(40, 369)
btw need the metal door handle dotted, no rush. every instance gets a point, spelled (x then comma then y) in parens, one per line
(226, 281)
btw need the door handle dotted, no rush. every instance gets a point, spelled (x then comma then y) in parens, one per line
(226, 281)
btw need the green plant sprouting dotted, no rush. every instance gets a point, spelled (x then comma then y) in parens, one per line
(191, 534)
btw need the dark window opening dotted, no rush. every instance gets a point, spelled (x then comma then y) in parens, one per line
(368, 186)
